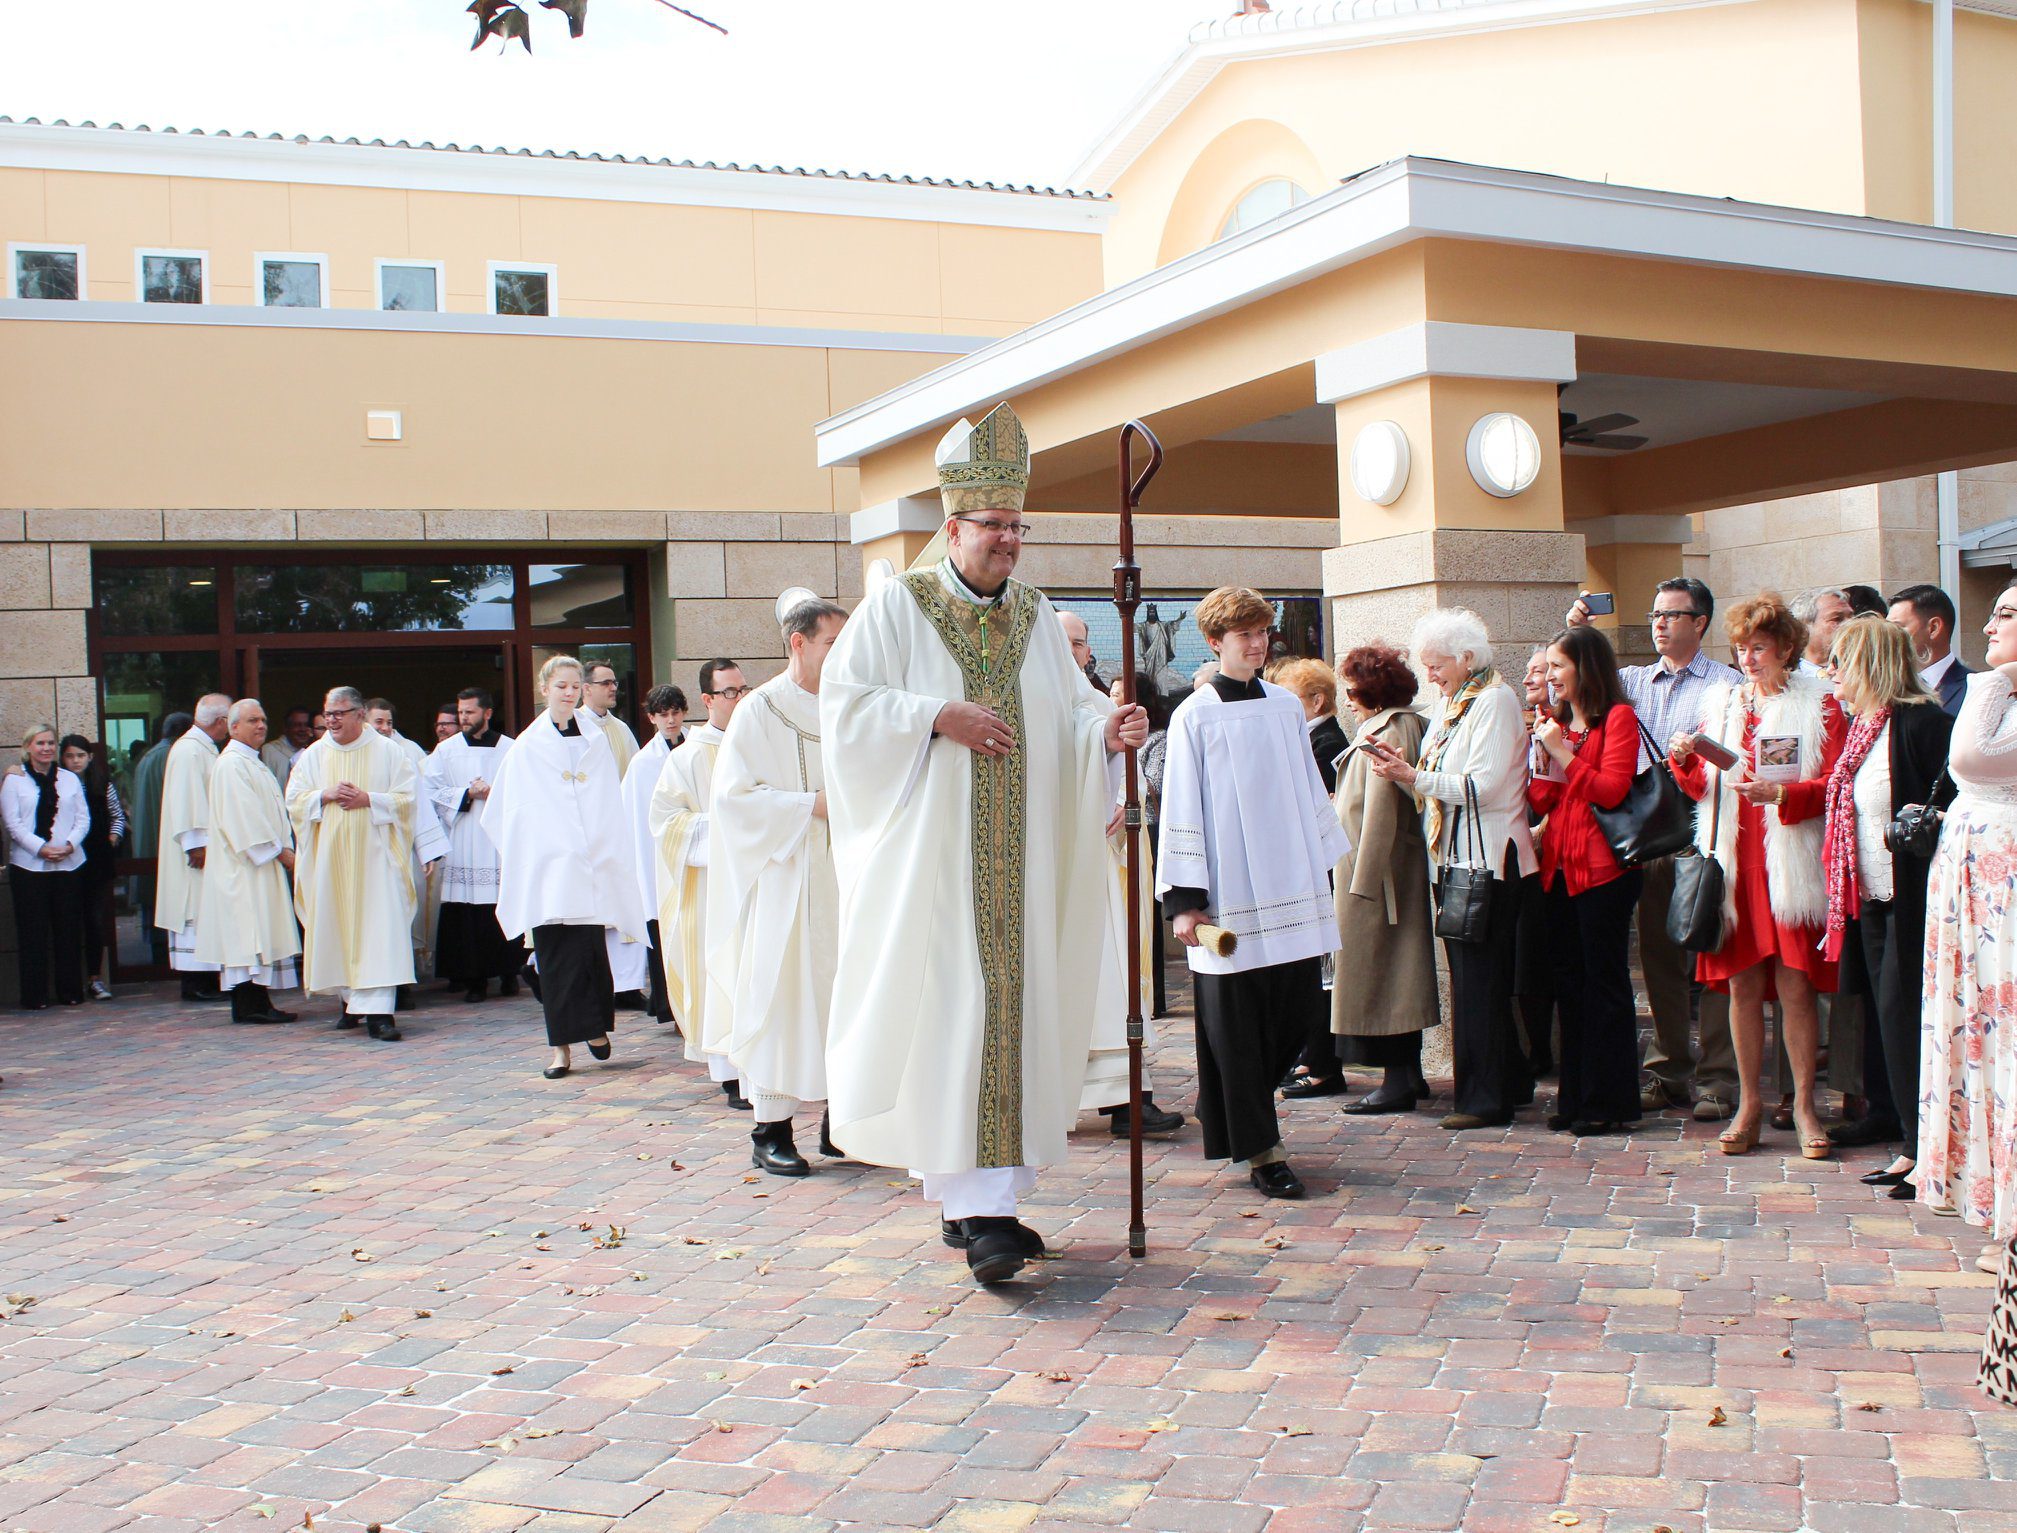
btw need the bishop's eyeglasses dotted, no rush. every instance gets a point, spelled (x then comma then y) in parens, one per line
(1017, 530)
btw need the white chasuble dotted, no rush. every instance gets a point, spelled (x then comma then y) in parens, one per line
(185, 826)
(430, 839)
(469, 877)
(772, 932)
(678, 821)
(248, 909)
(1245, 817)
(555, 812)
(353, 868)
(975, 949)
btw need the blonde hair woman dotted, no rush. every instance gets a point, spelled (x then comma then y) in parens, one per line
(47, 818)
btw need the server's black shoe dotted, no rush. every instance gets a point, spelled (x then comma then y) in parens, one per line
(733, 1091)
(630, 1000)
(1278, 1179)
(771, 1150)
(384, 1029)
(1155, 1120)
(953, 1233)
(994, 1249)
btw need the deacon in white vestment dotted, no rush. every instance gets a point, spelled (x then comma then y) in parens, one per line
(678, 822)
(665, 706)
(352, 796)
(772, 903)
(598, 703)
(470, 949)
(970, 778)
(430, 840)
(184, 838)
(556, 815)
(247, 926)
(1249, 838)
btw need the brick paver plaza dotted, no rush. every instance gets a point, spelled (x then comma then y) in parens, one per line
(285, 1273)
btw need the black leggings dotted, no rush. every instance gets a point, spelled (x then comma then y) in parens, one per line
(1894, 956)
(1589, 937)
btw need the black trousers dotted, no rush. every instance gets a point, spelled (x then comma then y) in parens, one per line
(1250, 1027)
(49, 930)
(575, 988)
(1589, 936)
(1894, 957)
(101, 928)
(659, 1002)
(1534, 975)
(470, 947)
(1491, 1071)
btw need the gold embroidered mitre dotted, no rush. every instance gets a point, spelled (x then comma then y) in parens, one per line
(984, 467)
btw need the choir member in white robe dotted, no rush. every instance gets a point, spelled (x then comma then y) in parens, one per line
(247, 926)
(598, 702)
(556, 814)
(430, 840)
(665, 706)
(772, 930)
(352, 796)
(1249, 839)
(184, 837)
(678, 822)
(970, 778)
(470, 948)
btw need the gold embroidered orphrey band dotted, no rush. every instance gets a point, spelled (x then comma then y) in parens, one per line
(1000, 810)
(804, 737)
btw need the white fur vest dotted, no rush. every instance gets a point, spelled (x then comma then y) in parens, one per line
(1792, 852)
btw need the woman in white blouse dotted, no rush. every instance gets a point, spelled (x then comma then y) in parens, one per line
(46, 818)
(1895, 753)
(1478, 743)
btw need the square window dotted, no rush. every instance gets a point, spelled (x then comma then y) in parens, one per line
(48, 274)
(171, 279)
(290, 282)
(416, 289)
(521, 291)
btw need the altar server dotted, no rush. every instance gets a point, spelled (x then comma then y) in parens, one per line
(247, 925)
(470, 949)
(665, 706)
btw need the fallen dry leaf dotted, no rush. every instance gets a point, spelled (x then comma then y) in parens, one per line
(264, 1511)
(1250, 1213)
(1276, 1242)
(721, 1426)
(916, 1360)
(692, 1240)
(345, 1318)
(501, 1444)
(1055, 1375)
(644, 1157)
(584, 1226)
(1293, 1431)
(1869, 1405)
(404, 1389)
(1785, 1351)
(1717, 1418)
(423, 1314)
(673, 1165)
(60, 1219)
(1783, 1299)
(1566, 1519)
(801, 1383)
(1465, 1208)
(1227, 1315)
(637, 1277)
(542, 1431)
(499, 1372)
(1160, 1424)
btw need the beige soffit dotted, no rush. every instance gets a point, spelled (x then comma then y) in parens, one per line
(1413, 199)
(34, 145)
(1329, 29)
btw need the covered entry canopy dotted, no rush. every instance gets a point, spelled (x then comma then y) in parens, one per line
(1761, 352)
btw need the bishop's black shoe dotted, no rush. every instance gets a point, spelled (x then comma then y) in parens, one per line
(1277, 1179)
(994, 1249)
(733, 1091)
(771, 1150)
(953, 1233)
(1155, 1120)
(384, 1029)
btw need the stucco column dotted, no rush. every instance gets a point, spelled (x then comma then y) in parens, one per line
(1629, 556)
(896, 530)
(1445, 540)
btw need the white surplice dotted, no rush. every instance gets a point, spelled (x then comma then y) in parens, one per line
(678, 822)
(556, 817)
(353, 868)
(640, 781)
(247, 925)
(1245, 816)
(469, 876)
(185, 826)
(772, 933)
(975, 947)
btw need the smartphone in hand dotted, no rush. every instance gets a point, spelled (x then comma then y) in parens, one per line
(1599, 603)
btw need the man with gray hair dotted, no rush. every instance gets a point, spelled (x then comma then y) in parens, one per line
(351, 797)
(1823, 610)
(247, 926)
(184, 842)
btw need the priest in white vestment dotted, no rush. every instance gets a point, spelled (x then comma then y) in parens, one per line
(279, 752)
(772, 932)
(352, 796)
(665, 706)
(678, 821)
(470, 949)
(247, 926)
(970, 779)
(556, 814)
(430, 840)
(1249, 839)
(183, 840)
(598, 703)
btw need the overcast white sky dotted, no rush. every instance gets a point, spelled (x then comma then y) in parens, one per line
(983, 89)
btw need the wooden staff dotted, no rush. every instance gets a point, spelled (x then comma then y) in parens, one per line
(1127, 596)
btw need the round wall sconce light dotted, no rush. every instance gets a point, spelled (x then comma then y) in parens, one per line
(880, 573)
(1379, 464)
(1503, 453)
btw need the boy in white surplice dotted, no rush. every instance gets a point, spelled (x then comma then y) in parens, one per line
(1249, 839)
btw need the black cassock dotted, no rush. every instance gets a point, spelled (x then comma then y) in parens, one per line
(575, 988)
(469, 946)
(1250, 1027)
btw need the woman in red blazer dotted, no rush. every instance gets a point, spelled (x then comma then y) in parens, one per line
(1587, 753)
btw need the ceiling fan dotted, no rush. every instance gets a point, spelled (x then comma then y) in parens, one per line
(1600, 432)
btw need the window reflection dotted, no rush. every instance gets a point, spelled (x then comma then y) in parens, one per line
(384, 598)
(622, 658)
(155, 599)
(581, 596)
(1168, 646)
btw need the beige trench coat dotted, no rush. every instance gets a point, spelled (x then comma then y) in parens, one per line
(1386, 967)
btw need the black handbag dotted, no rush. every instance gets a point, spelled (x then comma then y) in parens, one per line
(1654, 819)
(1914, 831)
(1695, 912)
(1464, 894)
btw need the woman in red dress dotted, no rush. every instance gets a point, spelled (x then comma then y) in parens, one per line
(1765, 815)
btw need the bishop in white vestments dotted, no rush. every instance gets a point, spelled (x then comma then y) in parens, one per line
(556, 815)
(665, 706)
(1249, 838)
(772, 931)
(970, 777)
(184, 840)
(470, 949)
(351, 797)
(247, 926)
(679, 824)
